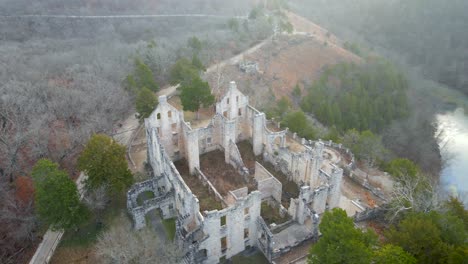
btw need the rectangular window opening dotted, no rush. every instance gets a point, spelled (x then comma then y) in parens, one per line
(246, 233)
(223, 243)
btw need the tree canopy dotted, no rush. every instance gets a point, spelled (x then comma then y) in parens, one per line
(297, 122)
(146, 102)
(103, 160)
(185, 70)
(391, 254)
(341, 242)
(366, 145)
(142, 77)
(431, 237)
(196, 94)
(56, 196)
(364, 97)
(399, 168)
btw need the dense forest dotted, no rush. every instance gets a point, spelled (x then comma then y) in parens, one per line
(113, 7)
(364, 97)
(430, 35)
(63, 79)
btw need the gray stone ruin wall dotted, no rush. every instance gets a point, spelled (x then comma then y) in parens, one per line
(170, 138)
(264, 239)
(267, 184)
(319, 199)
(239, 221)
(233, 196)
(233, 157)
(335, 187)
(210, 137)
(139, 188)
(168, 183)
(233, 105)
(192, 150)
(250, 67)
(258, 125)
(167, 121)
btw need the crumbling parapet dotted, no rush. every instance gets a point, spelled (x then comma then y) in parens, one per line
(257, 133)
(232, 156)
(335, 187)
(192, 150)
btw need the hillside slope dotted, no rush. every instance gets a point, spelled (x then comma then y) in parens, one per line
(285, 61)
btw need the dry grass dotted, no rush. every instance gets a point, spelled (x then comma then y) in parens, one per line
(272, 215)
(223, 176)
(78, 255)
(205, 197)
(246, 151)
(290, 188)
(204, 114)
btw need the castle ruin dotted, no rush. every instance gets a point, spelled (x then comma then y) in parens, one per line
(223, 181)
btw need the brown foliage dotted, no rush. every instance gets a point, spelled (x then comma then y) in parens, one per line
(24, 193)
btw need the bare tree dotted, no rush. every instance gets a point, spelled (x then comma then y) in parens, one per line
(122, 244)
(17, 225)
(97, 200)
(416, 194)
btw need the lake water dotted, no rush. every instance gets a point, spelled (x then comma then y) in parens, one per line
(454, 146)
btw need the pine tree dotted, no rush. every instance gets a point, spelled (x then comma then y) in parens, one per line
(195, 95)
(103, 160)
(146, 102)
(56, 197)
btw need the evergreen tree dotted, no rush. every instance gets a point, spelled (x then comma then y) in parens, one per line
(183, 72)
(142, 77)
(195, 95)
(341, 242)
(390, 254)
(195, 44)
(431, 237)
(399, 168)
(297, 122)
(103, 160)
(146, 102)
(56, 197)
(365, 97)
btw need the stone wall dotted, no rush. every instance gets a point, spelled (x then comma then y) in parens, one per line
(167, 121)
(233, 157)
(267, 184)
(201, 176)
(238, 221)
(204, 237)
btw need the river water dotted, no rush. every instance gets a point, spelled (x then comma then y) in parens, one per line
(454, 144)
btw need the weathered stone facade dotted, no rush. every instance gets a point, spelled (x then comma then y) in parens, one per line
(208, 236)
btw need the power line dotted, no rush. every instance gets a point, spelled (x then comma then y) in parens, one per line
(119, 16)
